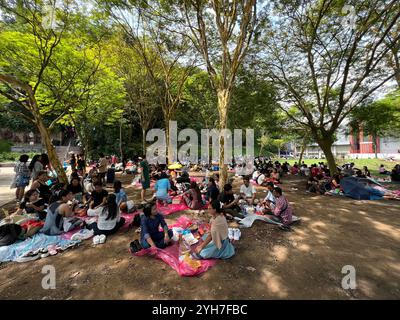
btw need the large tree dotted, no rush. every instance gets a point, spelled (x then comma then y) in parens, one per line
(221, 32)
(379, 118)
(323, 64)
(164, 55)
(20, 83)
(141, 92)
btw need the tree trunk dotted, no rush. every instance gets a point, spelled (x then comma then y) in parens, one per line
(223, 105)
(38, 120)
(51, 151)
(130, 133)
(261, 148)
(84, 146)
(396, 65)
(303, 148)
(374, 145)
(120, 138)
(326, 146)
(144, 140)
(167, 134)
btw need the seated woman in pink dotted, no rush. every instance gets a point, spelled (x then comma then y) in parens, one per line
(282, 212)
(193, 197)
(295, 169)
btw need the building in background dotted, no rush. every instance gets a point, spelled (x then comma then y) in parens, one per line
(355, 145)
(23, 142)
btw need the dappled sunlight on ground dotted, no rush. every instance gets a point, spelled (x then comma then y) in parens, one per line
(273, 284)
(269, 263)
(385, 229)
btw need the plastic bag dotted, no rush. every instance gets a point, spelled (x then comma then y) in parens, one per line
(14, 183)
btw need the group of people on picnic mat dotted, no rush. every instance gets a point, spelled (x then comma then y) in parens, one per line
(59, 207)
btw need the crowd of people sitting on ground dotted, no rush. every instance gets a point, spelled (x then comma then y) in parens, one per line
(59, 206)
(321, 182)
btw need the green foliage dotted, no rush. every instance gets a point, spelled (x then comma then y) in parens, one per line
(381, 117)
(5, 146)
(200, 103)
(8, 120)
(13, 156)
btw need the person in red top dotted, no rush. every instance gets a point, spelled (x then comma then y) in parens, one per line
(315, 170)
(113, 159)
(294, 169)
(282, 211)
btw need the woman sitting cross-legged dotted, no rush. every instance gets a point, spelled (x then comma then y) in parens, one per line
(33, 204)
(216, 244)
(192, 197)
(150, 236)
(40, 184)
(109, 219)
(120, 196)
(98, 200)
(212, 190)
(59, 216)
(76, 188)
(282, 211)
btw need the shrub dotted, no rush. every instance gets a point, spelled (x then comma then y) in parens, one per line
(5, 146)
(13, 156)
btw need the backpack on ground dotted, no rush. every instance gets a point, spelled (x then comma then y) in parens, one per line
(10, 233)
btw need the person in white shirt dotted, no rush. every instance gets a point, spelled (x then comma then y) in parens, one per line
(247, 191)
(269, 201)
(261, 179)
(255, 175)
(109, 219)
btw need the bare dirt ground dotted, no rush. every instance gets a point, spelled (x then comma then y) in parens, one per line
(269, 263)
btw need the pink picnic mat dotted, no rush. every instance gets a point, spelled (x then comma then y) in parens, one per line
(170, 255)
(138, 185)
(172, 208)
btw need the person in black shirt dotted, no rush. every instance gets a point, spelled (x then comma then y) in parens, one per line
(98, 199)
(80, 165)
(76, 188)
(32, 204)
(40, 184)
(72, 162)
(212, 190)
(230, 204)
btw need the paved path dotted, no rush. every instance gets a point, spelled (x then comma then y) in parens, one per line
(6, 177)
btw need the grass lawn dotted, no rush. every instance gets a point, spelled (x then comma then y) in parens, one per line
(372, 164)
(13, 156)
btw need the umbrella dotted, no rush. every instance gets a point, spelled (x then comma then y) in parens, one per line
(175, 166)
